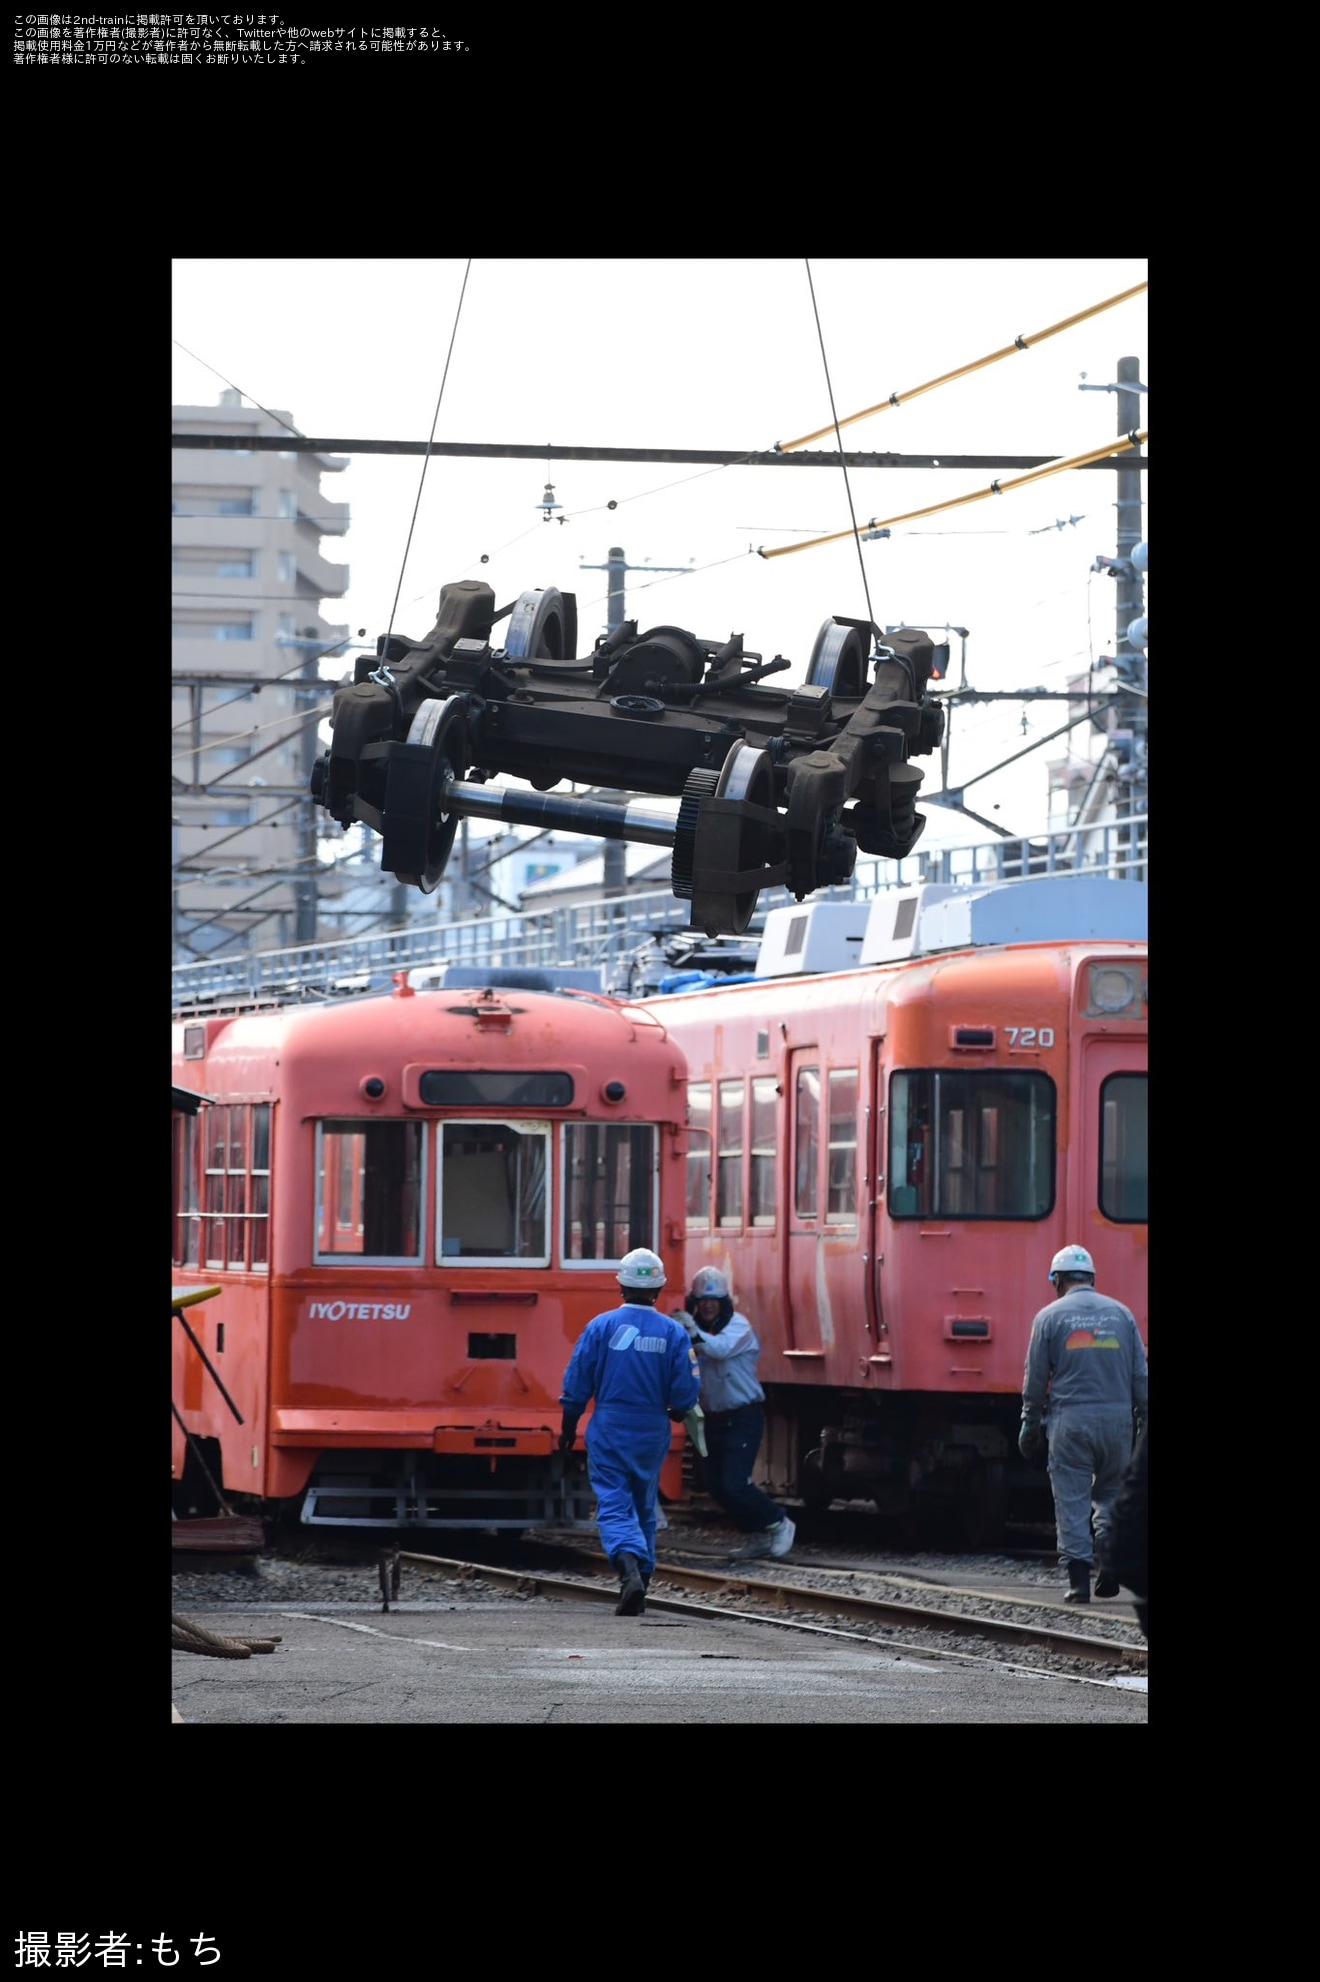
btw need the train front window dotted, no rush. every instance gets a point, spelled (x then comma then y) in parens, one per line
(611, 1173)
(1124, 1161)
(369, 1192)
(492, 1194)
(971, 1144)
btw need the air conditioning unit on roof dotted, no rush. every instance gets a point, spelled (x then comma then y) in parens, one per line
(810, 938)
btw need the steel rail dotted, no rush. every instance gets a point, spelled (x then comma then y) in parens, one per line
(791, 1597)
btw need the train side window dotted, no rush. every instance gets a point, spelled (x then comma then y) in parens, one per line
(493, 1195)
(1124, 1164)
(369, 1192)
(765, 1102)
(841, 1201)
(187, 1216)
(698, 1157)
(968, 1144)
(729, 1164)
(611, 1176)
(259, 1222)
(806, 1140)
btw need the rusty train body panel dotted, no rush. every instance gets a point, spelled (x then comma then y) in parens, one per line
(884, 1160)
(412, 1203)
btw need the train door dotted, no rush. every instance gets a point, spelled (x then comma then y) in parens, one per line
(1112, 1170)
(802, 1227)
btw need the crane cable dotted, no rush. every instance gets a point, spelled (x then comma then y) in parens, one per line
(1134, 439)
(914, 392)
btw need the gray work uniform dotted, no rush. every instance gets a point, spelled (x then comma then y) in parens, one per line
(1085, 1375)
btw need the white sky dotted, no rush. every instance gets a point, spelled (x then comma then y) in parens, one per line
(708, 353)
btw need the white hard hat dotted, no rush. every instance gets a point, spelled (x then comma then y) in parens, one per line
(709, 1285)
(641, 1268)
(1072, 1259)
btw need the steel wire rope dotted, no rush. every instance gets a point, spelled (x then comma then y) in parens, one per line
(977, 364)
(829, 387)
(426, 458)
(1137, 438)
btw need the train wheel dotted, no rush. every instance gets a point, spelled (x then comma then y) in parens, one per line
(542, 627)
(416, 831)
(813, 1487)
(985, 1510)
(838, 660)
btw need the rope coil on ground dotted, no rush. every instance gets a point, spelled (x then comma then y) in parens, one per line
(185, 1636)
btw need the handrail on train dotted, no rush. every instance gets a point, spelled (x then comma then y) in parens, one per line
(612, 930)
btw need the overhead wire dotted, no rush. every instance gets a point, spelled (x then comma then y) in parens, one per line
(1137, 438)
(977, 364)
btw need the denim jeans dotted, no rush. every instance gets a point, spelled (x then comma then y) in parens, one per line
(732, 1444)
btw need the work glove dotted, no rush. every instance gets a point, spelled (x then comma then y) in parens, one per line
(567, 1432)
(685, 1320)
(1030, 1438)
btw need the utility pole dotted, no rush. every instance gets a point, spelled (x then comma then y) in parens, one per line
(615, 879)
(305, 886)
(1127, 738)
(1129, 606)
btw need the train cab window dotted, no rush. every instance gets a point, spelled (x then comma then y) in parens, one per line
(369, 1192)
(765, 1097)
(611, 1180)
(841, 1202)
(729, 1160)
(971, 1144)
(698, 1159)
(493, 1199)
(806, 1140)
(1124, 1167)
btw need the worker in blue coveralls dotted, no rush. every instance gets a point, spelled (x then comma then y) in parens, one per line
(1084, 1384)
(640, 1368)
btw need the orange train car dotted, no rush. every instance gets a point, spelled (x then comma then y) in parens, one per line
(412, 1202)
(885, 1157)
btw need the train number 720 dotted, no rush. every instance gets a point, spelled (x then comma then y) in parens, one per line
(1030, 1035)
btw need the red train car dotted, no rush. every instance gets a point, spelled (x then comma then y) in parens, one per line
(413, 1203)
(885, 1158)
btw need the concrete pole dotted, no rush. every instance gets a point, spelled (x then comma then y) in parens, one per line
(1129, 604)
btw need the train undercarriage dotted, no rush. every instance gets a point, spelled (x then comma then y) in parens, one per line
(942, 1468)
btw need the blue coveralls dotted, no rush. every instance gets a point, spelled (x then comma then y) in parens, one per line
(1085, 1374)
(639, 1366)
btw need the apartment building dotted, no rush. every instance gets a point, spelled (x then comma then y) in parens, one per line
(248, 582)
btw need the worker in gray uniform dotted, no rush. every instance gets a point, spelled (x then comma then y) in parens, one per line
(1084, 1385)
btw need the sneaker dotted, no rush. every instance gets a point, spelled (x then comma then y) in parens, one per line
(782, 1537)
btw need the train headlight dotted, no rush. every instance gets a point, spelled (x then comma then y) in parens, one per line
(1111, 989)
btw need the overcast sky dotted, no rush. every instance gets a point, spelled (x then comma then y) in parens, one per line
(735, 354)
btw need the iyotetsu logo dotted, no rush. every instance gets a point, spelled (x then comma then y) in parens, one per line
(360, 1310)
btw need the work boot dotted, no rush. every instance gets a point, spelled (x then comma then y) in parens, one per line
(633, 1593)
(1079, 1583)
(1106, 1583)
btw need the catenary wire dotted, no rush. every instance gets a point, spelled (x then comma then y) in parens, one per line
(914, 392)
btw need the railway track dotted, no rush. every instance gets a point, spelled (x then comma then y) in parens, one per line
(809, 1596)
